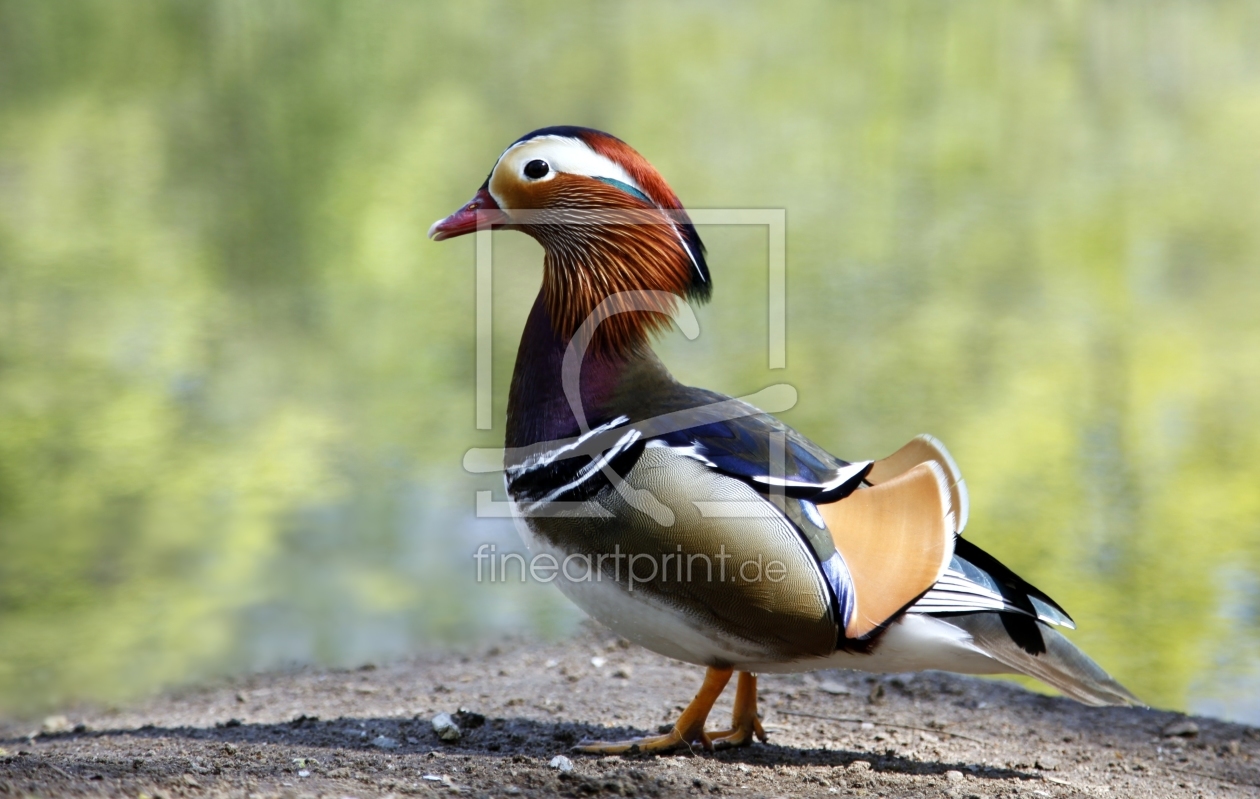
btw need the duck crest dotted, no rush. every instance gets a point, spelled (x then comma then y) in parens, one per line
(607, 235)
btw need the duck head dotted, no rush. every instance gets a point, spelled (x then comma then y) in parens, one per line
(607, 221)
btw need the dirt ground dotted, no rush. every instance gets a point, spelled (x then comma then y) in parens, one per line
(369, 732)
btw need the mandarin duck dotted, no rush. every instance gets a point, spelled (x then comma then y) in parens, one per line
(698, 526)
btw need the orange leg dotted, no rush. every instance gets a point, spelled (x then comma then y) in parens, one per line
(688, 730)
(744, 721)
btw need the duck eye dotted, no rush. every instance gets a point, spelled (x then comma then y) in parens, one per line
(536, 169)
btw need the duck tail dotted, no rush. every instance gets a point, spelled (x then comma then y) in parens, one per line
(1057, 662)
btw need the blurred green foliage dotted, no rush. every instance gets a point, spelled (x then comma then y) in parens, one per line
(236, 380)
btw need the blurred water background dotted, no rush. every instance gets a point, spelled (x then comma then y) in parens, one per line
(236, 380)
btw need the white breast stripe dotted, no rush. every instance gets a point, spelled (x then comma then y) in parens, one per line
(546, 458)
(632, 435)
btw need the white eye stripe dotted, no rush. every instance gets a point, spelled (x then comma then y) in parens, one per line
(561, 154)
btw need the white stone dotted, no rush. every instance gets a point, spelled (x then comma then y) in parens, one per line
(561, 762)
(446, 728)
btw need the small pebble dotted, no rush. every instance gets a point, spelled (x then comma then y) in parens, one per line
(835, 688)
(953, 776)
(446, 728)
(1182, 728)
(304, 773)
(859, 765)
(385, 742)
(623, 673)
(598, 662)
(562, 763)
(55, 724)
(1047, 763)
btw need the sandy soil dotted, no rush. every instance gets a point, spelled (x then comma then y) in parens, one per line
(369, 732)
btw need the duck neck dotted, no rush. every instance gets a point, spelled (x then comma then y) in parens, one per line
(538, 409)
